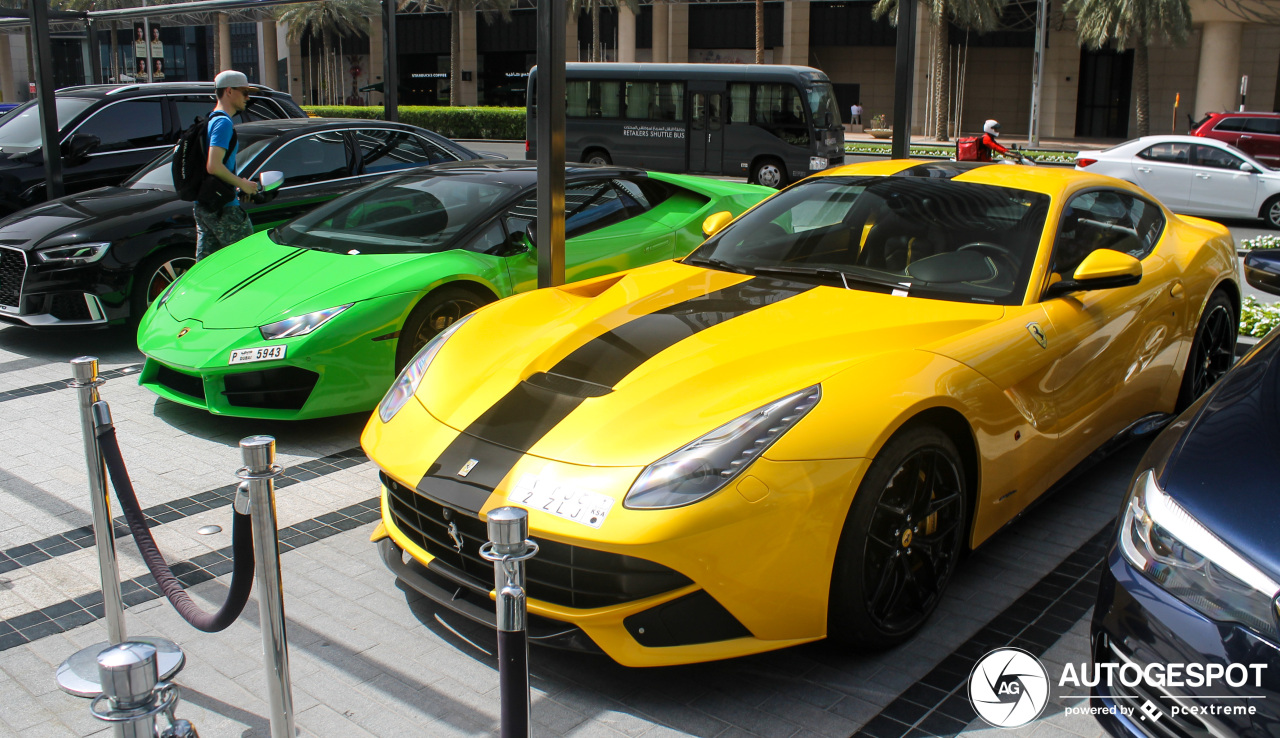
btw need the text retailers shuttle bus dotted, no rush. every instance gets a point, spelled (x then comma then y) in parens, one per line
(770, 123)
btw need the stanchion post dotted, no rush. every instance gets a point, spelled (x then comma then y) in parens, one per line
(132, 695)
(260, 471)
(508, 548)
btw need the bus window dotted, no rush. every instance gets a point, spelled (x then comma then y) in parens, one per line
(740, 103)
(780, 110)
(575, 93)
(655, 100)
(591, 99)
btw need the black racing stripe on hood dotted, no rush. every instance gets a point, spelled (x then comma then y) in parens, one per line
(942, 169)
(507, 430)
(261, 273)
(605, 360)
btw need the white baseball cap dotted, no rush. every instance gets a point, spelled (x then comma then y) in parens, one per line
(230, 78)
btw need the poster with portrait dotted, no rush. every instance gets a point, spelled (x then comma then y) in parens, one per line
(140, 49)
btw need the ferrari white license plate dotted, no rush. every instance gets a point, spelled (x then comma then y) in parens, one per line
(578, 505)
(261, 353)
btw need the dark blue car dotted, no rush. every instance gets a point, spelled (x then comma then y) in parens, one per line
(1187, 619)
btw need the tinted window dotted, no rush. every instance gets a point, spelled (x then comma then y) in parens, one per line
(1105, 219)
(386, 151)
(1269, 126)
(1230, 124)
(261, 108)
(588, 206)
(740, 103)
(593, 98)
(125, 125)
(1175, 153)
(926, 237)
(780, 110)
(654, 100)
(316, 158)
(1209, 156)
(21, 127)
(190, 108)
(492, 240)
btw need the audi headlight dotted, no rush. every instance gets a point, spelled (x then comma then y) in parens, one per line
(407, 383)
(73, 255)
(709, 463)
(1177, 552)
(300, 325)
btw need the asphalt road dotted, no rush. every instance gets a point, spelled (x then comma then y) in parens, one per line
(1240, 229)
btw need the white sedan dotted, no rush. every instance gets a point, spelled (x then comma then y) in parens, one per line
(1193, 175)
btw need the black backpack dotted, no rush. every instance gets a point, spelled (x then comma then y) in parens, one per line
(191, 157)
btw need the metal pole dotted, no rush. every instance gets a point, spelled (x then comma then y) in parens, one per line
(95, 53)
(508, 549)
(146, 39)
(43, 56)
(390, 64)
(904, 79)
(550, 141)
(260, 471)
(129, 677)
(1037, 80)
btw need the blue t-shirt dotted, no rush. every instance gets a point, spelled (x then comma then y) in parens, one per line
(220, 129)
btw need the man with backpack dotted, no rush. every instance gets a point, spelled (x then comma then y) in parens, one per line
(220, 220)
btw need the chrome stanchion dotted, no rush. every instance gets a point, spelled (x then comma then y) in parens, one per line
(78, 675)
(259, 472)
(508, 548)
(134, 696)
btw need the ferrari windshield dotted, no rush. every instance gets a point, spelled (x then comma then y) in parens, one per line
(408, 214)
(920, 236)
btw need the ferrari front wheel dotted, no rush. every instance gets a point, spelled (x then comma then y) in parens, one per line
(434, 313)
(901, 541)
(1213, 350)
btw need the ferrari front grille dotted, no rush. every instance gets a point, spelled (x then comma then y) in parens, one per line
(561, 574)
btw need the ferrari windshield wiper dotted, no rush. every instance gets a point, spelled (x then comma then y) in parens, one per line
(717, 263)
(847, 279)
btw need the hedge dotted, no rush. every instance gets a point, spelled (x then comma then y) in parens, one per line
(495, 123)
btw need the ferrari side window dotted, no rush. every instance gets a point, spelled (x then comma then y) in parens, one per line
(1105, 219)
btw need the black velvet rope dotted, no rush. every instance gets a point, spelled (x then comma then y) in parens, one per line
(241, 546)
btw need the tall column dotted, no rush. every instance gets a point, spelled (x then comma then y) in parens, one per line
(795, 33)
(270, 55)
(661, 51)
(8, 90)
(626, 34)
(375, 58)
(470, 59)
(297, 77)
(1218, 82)
(678, 32)
(571, 51)
(224, 43)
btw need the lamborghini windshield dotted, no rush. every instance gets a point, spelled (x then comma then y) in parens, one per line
(913, 235)
(415, 213)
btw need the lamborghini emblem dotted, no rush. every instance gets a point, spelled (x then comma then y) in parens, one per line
(1036, 333)
(456, 535)
(467, 467)
(183, 332)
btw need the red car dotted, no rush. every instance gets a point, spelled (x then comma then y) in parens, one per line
(1254, 133)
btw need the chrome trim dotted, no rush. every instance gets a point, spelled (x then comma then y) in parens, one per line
(16, 309)
(125, 151)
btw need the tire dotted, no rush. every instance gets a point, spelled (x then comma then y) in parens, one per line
(597, 156)
(900, 542)
(1213, 350)
(154, 276)
(432, 314)
(1271, 212)
(769, 172)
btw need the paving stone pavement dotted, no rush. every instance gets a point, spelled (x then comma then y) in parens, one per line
(370, 657)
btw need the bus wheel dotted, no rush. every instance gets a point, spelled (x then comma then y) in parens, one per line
(596, 156)
(769, 173)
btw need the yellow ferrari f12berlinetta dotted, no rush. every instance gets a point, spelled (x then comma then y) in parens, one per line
(796, 430)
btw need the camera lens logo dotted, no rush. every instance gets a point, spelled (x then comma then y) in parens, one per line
(1008, 687)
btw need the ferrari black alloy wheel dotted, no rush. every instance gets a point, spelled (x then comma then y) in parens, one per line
(1212, 351)
(901, 542)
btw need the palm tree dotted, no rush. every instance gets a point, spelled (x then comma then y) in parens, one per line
(1101, 22)
(323, 20)
(759, 31)
(455, 9)
(593, 6)
(973, 15)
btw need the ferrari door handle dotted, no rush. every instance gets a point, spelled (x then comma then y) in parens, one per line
(1145, 170)
(1176, 290)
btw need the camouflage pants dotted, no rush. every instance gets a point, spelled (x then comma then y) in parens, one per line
(218, 228)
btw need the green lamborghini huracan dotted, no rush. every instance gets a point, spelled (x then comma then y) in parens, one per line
(315, 318)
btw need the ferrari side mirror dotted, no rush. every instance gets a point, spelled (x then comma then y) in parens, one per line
(716, 223)
(1102, 269)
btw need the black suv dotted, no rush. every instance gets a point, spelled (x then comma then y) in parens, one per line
(108, 131)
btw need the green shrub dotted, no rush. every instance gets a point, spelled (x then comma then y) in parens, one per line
(1256, 318)
(1268, 241)
(496, 123)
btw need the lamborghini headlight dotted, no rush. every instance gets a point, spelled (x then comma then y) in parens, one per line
(74, 255)
(709, 463)
(300, 325)
(1177, 552)
(407, 383)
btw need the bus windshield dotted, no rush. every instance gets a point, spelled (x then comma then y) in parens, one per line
(822, 99)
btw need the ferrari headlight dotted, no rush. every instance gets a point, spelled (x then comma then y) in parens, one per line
(407, 383)
(73, 255)
(1177, 552)
(709, 463)
(300, 325)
